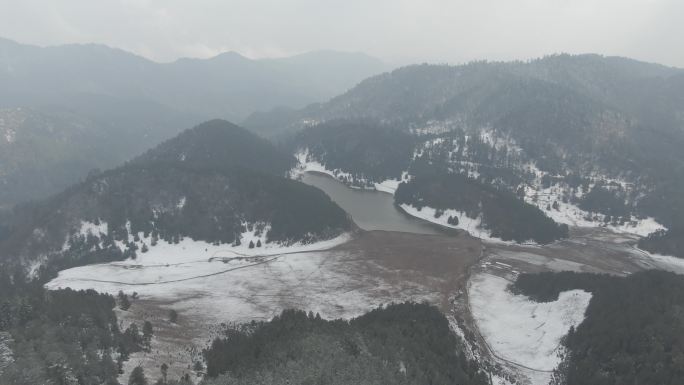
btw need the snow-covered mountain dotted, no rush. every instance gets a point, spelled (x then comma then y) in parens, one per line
(589, 140)
(213, 183)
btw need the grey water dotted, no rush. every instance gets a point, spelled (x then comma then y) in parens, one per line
(370, 209)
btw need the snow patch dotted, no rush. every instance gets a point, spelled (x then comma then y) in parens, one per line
(216, 284)
(390, 186)
(307, 163)
(169, 263)
(522, 331)
(571, 215)
(472, 226)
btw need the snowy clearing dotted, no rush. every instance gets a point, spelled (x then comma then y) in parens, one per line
(522, 331)
(209, 285)
(472, 226)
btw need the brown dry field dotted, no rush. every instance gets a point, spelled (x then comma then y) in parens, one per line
(435, 265)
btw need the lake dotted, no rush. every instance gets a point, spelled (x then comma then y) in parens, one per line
(370, 209)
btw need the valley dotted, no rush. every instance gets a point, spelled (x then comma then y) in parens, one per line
(340, 281)
(497, 223)
(210, 286)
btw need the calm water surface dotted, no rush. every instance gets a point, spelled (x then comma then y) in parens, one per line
(370, 209)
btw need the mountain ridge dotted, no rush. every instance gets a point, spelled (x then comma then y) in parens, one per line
(167, 196)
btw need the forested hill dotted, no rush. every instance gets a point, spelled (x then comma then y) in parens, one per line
(192, 186)
(220, 145)
(633, 330)
(591, 140)
(400, 344)
(371, 151)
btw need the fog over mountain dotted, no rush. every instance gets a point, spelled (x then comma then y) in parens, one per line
(324, 192)
(401, 32)
(65, 110)
(227, 86)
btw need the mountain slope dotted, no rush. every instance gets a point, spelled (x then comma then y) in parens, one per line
(399, 344)
(551, 131)
(226, 86)
(219, 145)
(44, 150)
(125, 104)
(191, 186)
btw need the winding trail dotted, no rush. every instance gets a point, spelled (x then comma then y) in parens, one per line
(273, 258)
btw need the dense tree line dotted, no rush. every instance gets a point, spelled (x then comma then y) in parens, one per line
(178, 191)
(61, 337)
(633, 332)
(367, 149)
(502, 213)
(586, 115)
(398, 344)
(219, 144)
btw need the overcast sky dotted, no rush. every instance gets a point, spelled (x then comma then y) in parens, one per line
(397, 31)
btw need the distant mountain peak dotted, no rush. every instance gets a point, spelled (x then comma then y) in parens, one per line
(219, 145)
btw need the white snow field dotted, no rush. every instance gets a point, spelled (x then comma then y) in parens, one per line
(210, 285)
(226, 283)
(521, 331)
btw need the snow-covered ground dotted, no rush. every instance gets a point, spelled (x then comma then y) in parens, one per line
(522, 331)
(307, 163)
(240, 284)
(535, 192)
(389, 186)
(472, 226)
(572, 215)
(168, 270)
(209, 285)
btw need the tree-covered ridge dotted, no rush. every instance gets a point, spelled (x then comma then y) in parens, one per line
(602, 119)
(369, 150)
(61, 337)
(633, 330)
(505, 215)
(167, 197)
(218, 144)
(399, 344)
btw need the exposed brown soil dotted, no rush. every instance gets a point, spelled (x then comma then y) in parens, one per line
(440, 262)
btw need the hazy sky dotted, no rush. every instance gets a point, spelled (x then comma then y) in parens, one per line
(398, 31)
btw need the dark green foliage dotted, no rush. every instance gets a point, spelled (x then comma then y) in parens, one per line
(137, 377)
(602, 200)
(220, 145)
(173, 316)
(670, 242)
(147, 333)
(667, 204)
(633, 332)
(59, 337)
(366, 148)
(504, 214)
(399, 344)
(573, 116)
(195, 185)
(124, 302)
